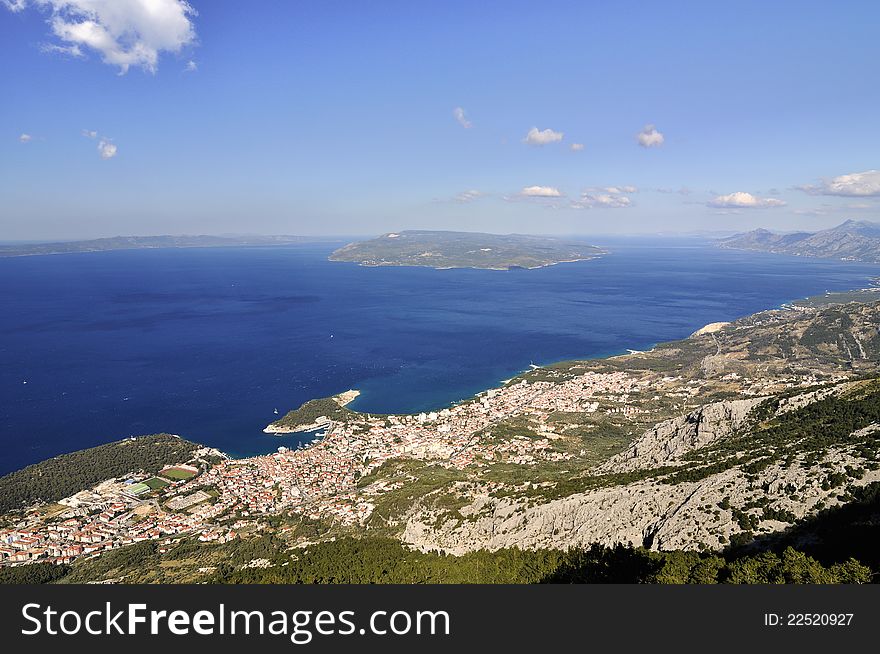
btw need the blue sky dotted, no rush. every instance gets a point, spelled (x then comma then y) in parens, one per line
(332, 117)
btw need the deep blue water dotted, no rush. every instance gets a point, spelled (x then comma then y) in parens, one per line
(207, 342)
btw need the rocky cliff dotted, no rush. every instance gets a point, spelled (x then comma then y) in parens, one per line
(666, 442)
(693, 482)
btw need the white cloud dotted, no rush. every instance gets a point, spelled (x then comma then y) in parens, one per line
(469, 196)
(853, 185)
(606, 200)
(542, 137)
(70, 50)
(577, 147)
(461, 117)
(597, 200)
(540, 192)
(649, 137)
(106, 149)
(190, 67)
(124, 32)
(609, 197)
(743, 200)
(25, 138)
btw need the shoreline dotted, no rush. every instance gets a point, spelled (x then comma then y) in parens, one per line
(862, 294)
(865, 295)
(506, 269)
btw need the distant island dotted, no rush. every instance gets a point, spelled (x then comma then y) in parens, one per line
(850, 241)
(143, 242)
(440, 249)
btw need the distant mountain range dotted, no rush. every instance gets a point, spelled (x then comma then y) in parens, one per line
(144, 242)
(853, 240)
(440, 249)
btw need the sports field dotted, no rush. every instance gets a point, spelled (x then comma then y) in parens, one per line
(177, 473)
(155, 483)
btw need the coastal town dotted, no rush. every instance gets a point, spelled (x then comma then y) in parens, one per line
(319, 481)
(527, 422)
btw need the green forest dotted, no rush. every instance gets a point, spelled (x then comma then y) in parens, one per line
(310, 411)
(67, 474)
(386, 561)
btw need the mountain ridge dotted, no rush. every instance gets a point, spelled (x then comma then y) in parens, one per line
(852, 240)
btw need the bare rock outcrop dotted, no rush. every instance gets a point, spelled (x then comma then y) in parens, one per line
(789, 404)
(655, 510)
(685, 516)
(669, 440)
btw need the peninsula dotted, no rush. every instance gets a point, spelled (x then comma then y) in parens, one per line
(314, 414)
(440, 249)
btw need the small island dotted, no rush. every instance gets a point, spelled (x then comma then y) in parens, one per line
(443, 250)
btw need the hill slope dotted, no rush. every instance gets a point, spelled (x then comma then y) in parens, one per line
(67, 474)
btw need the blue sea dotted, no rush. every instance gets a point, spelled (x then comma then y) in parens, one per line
(207, 343)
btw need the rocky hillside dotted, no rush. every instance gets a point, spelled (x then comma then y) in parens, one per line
(723, 474)
(753, 440)
(852, 240)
